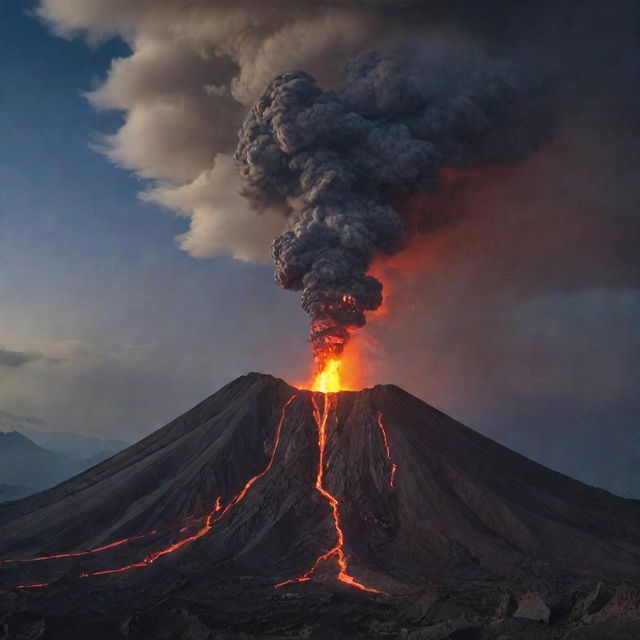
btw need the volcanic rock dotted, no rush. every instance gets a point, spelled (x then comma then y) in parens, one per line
(450, 532)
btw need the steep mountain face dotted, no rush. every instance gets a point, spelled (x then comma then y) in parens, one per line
(227, 501)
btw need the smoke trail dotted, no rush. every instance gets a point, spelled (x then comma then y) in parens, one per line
(341, 159)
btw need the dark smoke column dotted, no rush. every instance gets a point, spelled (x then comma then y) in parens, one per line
(337, 158)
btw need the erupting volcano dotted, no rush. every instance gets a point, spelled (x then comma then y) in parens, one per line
(324, 402)
(322, 487)
(322, 417)
(342, 164)
(270, 493)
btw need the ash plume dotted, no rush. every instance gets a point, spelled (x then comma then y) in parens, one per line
(557, 233)
(340, 160)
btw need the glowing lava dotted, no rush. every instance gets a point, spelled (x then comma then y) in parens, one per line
(152, 557)
(106, 547)
(346, 372)
(337, 551)
(327, 380)
(324, 391)
(387, 448)
(209, 521)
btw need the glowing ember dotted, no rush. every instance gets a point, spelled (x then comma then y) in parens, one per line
(337, 551)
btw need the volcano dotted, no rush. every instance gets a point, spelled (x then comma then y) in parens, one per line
(270, 511)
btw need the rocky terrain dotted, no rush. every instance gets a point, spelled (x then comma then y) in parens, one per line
(454, 535)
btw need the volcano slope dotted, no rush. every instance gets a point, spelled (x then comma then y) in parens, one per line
(430, 531)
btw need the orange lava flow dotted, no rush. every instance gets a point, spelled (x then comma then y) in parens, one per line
(28, 586)
(337, 551)
(152, 557)
(387, 448)
(253, 480)
(106, 547)
(209, 521)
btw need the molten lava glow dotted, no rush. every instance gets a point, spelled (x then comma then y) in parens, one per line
(215, 515)
(349, 372)
(321, 417)
(361, 363)
(337, 551)
(327, 380)
(387, 448)
(152, 557)
(106, 547)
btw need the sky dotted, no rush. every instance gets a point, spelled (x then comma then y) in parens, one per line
(120, 312)
(126, 331)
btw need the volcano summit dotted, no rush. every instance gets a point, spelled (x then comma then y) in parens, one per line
(269, 511)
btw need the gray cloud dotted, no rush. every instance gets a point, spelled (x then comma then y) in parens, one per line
(16, 359)
(391, 126)
(183, 89)
(195, 68)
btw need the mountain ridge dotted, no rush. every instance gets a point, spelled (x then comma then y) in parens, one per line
(24, 463)
(227, 491)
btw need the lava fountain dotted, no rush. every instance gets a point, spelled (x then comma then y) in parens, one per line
(328, 380)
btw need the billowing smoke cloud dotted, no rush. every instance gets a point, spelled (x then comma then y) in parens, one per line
(557, 232)
(196, 67)
(341, 157)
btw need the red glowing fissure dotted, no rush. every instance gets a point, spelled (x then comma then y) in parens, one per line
(337, 551)
(209, 521)
(387, 448)
(106, 547)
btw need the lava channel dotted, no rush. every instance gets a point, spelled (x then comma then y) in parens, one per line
(387, 448)
(337, 551)
(110, 545)
(209, 520)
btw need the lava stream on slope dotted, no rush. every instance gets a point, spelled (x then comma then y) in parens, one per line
(337, 551)
(149, 559)
(111, 545)
(321, 417)
(387, 448)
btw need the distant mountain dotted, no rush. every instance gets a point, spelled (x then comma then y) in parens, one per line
(75, 445)
(23, 463)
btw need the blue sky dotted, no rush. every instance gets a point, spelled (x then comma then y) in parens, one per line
(86, 266)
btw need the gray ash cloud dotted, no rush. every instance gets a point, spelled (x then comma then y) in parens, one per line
(340, 160)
